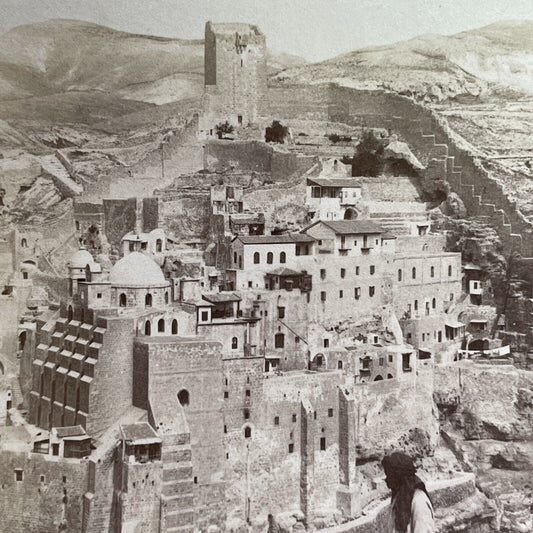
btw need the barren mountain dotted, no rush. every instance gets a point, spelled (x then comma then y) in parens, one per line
(68, 55)
(435, 67)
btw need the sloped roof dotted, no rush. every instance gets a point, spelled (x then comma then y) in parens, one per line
(349, 227)
(221, 297)
(334, 182)
(275, 239)
(283, 271)
(141, 433)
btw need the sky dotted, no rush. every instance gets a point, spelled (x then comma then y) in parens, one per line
(313, 29)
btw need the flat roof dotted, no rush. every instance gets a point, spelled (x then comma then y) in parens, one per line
(70, 431)
(283, 271)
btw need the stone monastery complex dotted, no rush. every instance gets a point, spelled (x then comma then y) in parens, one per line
(251, 378)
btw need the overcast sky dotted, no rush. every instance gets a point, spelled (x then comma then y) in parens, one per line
(314, 29)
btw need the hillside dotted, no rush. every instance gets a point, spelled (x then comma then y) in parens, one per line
(69, 55)
(435, 67)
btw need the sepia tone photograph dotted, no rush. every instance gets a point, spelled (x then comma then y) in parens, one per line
(266, 266)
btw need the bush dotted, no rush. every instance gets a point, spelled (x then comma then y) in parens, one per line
(334, 138)
(367, 160)
(223, 129)
(276, 132)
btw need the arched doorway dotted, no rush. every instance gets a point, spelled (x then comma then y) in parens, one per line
(350, 214)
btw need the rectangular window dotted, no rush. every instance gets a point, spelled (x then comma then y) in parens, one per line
(355, 243)
(371, 290)
(343, 272)
(19, 474)
(390, 358)
(323, 296)
(357, 271)
(99, 295)
(381, 361)
(341, 294)
(226, 394)
(330, 412)
(205, 316)
(322, 273)
(322, 443)
(372, 270)
(439, 336)
(326, 343)
(281, 312)
(276, 420)
(291, 447)
(294, 417)
(357, 293)
(247, 393)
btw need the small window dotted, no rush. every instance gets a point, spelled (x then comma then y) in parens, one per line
(234, 343)
(19, 474)
(322, 443)
(294, 417)
(357, 293)
(42, 479)
(270, 258)
(122, 300)
(276, 420)
(234, 257)
(432, 271)
(282, 257)
(249, 284)
(247, 432)
(399, 274)
(195, 480)
(24, 275)
(99, 295)
(246, 413)
(279, 340)
(148, 300)
(226, 395)
(296, 340)
(416, 305)
(341, 294)
(247, 393)
(322, 273)
(323, 296)
(390, 358)
(205, 316)
(434, 303)
(281, 312)
(291, 447)
(451, 296)
(343, 272)
(413, 273)
(183, 397)
(330, 412)
(357, 271)
(449, 270)
(381, 361)
(339, 365)
(161, 326)
(174, 327)
(147, 328)
(225, 429)
(371, 290)
(326, 343)
(257, 258)
(372, 270)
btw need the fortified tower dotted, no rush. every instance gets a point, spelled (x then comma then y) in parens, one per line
(235, 73)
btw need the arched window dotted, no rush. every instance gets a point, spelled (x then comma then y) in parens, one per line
(414, 273)
(183, 397)
(22, 340)
(24, 243)
(247, 432)
(159, 245)
(270, 258)
(70, 313)
(257, 258)
(378, 378)
(434, 303)
(234, 343)
(389, 376)
(166, 297)
(148, 300)
(174, 327)
(161, 326)
(122, 300)
(432, 271)
(282, 257)
(148, 328)
(399, 274)
(279, 340)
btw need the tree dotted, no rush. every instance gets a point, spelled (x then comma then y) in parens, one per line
(276, 132)
(223, 129)
(367, 160)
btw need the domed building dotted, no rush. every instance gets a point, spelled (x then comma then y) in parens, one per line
(76, 268)
(138, 281)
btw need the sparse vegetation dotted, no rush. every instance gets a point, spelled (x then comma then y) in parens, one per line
(223, 128)
(334, 138)
(276, 132)
(368, 159)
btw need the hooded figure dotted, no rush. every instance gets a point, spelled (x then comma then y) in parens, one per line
(411, 508)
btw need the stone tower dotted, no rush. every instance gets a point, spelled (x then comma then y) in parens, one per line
(235, 73)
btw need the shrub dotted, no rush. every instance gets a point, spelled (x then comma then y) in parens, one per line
(223, 129)
(276, 132)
